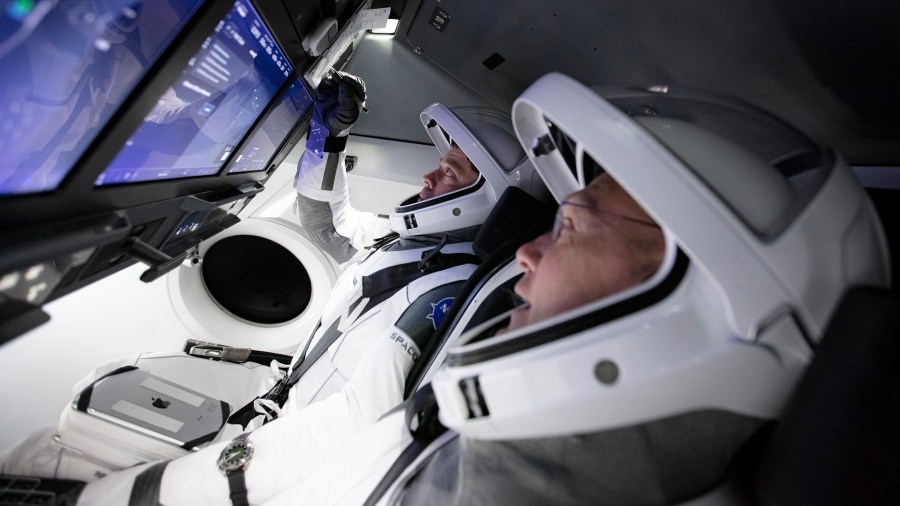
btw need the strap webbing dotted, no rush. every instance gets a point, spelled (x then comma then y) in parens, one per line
(377, 288)
(383, 241)
(424, 426)
(398, 276)
(145, 490)
(303, 365)
(409, 454)
(380, 286)
(278, 392)
(331, 166)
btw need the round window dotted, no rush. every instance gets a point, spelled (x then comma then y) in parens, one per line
(256, 279)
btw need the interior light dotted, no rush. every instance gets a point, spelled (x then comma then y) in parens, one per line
(389, 29)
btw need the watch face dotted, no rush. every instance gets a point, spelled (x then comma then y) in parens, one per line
(236, 455)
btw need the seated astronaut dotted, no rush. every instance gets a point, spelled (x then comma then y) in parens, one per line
(638, 384)
(648, 396)
(353, 369)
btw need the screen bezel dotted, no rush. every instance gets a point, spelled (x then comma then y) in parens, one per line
(285, 143)
(201, 154)
(78, 79)
(77, 196)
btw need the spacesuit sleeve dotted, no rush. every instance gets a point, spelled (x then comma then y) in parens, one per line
(287, 451)
(290, 449)
(324, 204)
(353, 472)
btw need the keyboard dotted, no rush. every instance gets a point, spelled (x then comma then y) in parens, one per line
(27, 490)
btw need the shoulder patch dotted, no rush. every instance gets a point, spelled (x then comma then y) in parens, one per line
(424, 315)
(439, 310)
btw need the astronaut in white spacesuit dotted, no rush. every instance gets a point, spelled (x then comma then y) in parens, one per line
(651, 394)
(645, 357)
(384, 307)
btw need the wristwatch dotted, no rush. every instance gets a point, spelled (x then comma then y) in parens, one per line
(233, 461)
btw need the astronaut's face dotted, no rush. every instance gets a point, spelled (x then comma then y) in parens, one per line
(603, 242)
(455, 171)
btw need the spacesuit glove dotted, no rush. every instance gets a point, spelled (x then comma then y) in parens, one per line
(339, 101)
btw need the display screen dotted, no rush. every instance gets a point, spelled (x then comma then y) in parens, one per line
(67, 66)
(201, 118)
(275, 128)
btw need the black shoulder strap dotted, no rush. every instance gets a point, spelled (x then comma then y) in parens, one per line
(395, 277)
(278, 393)
(409, 454)
(145, 490)
(424, 426)
(381, 286)
(328, 338)
(383, 241)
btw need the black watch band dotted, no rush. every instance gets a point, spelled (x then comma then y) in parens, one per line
(237, 488)
(233, 461)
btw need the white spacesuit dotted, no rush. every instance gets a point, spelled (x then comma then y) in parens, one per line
(649, 396)
(384, 307)
(646, 395)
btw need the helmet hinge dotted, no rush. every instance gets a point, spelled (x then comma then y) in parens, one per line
(475, 401)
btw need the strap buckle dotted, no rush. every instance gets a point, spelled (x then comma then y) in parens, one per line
(210, 351)
(277, 391)
(433, 254)
(214, 351)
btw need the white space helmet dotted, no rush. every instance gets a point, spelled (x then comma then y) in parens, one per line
(486, 136)
(764, 233)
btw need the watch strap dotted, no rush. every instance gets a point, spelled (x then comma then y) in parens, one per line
(238, 488)
(237, 484)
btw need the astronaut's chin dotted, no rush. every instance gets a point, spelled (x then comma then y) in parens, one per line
(518, 318)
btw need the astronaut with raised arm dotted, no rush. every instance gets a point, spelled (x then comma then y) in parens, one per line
(668, 313)
(383, 309)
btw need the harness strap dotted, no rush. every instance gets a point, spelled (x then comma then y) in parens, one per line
(407, 457)
(376, 288)
(328, 338)
(398, 276)
(424, 426)
(380, 286)
(383, 241)
(146, 487)
(249, 411)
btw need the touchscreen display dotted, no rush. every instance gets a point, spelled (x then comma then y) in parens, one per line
(276, 127)
(200, 119)
(66, 67)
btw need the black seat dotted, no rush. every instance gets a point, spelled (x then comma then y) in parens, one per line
(838, 441)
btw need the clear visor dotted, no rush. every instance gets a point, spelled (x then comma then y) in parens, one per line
(454, 173)
(729, 145)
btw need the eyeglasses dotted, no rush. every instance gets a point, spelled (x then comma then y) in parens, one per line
(559, 219)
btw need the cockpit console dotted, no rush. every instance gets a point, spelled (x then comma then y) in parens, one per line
(130, 131)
